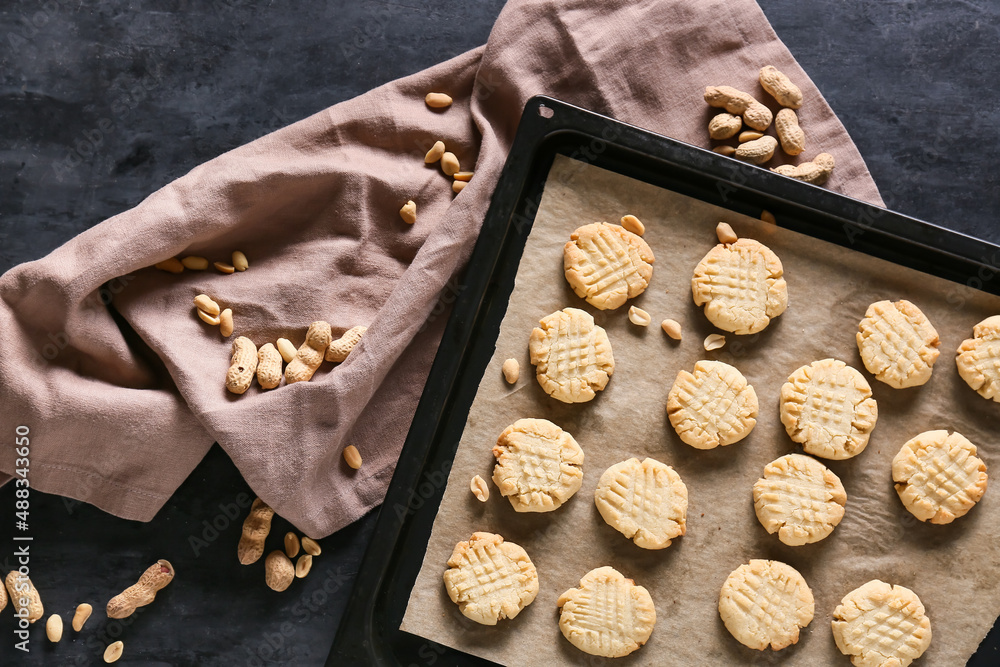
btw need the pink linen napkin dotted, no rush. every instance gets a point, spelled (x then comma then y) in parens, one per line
(122, 386)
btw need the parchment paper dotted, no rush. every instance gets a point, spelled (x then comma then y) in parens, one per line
(954, 568)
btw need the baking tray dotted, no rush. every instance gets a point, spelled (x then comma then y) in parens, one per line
(369, 632)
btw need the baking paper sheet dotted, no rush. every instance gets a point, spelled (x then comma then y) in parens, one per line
(953, 569)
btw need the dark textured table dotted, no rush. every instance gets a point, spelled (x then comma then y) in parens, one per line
(102, 103)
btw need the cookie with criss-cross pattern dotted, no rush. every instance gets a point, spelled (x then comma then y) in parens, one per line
(880, 625)
(608, 615)
(938, 476)
(572, 355)
(490, 579)
(978, 358)
(828, 407)
(799, 498)
(607, 264)
(713, 406)
(898, 344)
(539, 465)
(765, 603)
(741, 285)
(646, 502)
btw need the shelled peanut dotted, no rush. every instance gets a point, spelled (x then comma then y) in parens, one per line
(511, 371)
(450, 164)
(83, 612)
(639, 317)
(633, 224)
(724, 232)
(311, 546)
(435, 153)
(195, 263)
(714, 342)
(209, 312)
(672, 328)
(240, 262)
(286, 349)
(207, 307)
(291, 544)
(54, 628)
(479, 488)
(226, 325)
(303, 565)
(409, 212)
(438, 100)
(172, 265)
(113, 652)
(461, 179)
(198, 263)
(352, 457)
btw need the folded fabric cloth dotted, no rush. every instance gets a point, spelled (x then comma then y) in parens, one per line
(122, 386)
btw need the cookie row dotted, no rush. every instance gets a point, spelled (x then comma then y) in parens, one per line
(766, 603)
(492, 579)
(739, 282)
(763, 604)
(539, 466)
(825, 406)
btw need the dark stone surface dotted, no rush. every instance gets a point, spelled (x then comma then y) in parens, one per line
(915, 85)
(103, 103)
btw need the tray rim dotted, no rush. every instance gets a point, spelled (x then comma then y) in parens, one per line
(364, 637)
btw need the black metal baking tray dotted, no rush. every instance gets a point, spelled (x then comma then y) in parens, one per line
(369, 633)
